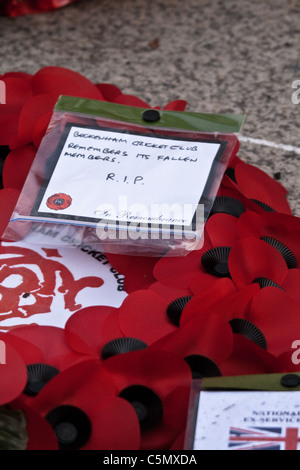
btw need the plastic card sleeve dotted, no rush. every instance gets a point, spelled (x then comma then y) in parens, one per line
(132, 181)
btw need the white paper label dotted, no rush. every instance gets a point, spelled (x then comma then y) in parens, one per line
(44, 281)
(248, 421)
(124, 177)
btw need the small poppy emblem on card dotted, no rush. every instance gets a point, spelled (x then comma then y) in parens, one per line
(59, 201)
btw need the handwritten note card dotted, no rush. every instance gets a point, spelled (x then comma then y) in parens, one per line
(126, 177)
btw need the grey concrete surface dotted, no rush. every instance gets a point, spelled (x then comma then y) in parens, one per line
(222, 56)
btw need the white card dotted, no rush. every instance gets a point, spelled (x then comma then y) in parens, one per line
(99, 174)
(45, 283)
(245, 420)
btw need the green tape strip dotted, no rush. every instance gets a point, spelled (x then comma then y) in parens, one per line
(267, 382)
(222, 123)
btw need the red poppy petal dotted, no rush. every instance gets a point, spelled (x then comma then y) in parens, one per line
(40, 128)
(29, 352)
(84, 384)
(160, 370)
(18, 90)
(202, 283)
(291, 284)
(111, 327)
(33, 108)
(174, 422)
(256, 184)
(207, 335)
(17, 165)
(44, 337)
(89, 329)
(179, 443)
(61, 81)
(166, 268)
(167, 292)
(41, 435)
(206, 299)
(13, 375)
(8, 124)
(182, 282)
(215, 337)
(289, 360)
(20, 8)
(276, 314)
(8, 201)
(177, 407)
(253, 205)
(108, 91)
(143, 315)
(176, 105)
(115, 427)
(229, 187)
(269, 223)
(138, 270)
(251, 258)
(236, 304)
(248, 358)
(281, 227)
(51, 4)
(159, 438)
(23, 75)
(222, 229)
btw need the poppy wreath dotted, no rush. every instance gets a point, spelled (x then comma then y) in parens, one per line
(119, 378)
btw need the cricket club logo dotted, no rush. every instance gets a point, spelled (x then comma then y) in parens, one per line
(263, 438)
(59, 201)
(29, 283)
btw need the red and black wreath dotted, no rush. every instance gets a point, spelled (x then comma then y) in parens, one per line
(230, 308)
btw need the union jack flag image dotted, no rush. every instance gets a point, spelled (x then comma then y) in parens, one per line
(263, 438)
